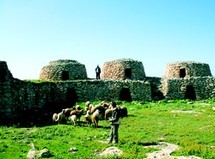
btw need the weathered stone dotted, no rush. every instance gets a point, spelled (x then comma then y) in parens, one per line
(123, 69)
(186, 69)
(63, 70)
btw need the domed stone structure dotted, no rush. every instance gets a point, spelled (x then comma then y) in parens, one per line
(122, 69)
(63, 70)
(186, 70)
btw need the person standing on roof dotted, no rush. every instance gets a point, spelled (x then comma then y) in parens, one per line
(98, 71)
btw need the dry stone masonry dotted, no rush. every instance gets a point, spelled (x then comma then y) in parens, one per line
(64, 82)
(123, 69)
(188, 80)
(186, 70)
(63, 70)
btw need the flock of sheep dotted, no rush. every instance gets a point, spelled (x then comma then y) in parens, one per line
(92, 114)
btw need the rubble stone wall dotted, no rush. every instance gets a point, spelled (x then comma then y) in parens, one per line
(24, 98)
(204, 87)
(155, 83)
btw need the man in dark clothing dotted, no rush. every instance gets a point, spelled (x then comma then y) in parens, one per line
(98, 71)
(115, 121)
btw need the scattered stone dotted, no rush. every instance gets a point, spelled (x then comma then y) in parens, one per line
(165, 152)
(111, 151)
(73, 149)
(104, 142)
(35, 153)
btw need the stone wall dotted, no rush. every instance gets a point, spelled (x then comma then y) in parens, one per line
(155, 83)
(21, 100)
(196, 87)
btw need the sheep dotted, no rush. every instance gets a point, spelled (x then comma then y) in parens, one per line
(73, 119)
(55, 117)
(65, 114)
(67, 111)
(77, 113)
(100, 108)
(123, 112)
(87, 103)
(108, 113)
(101, 111)
(88, 118)
(105, 104)
(95, 118)
(60, 117)
(88, 106)
(77, 107)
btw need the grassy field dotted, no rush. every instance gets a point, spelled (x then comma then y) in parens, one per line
(190, 125)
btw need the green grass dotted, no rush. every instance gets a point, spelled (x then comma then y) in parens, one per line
(147, 123)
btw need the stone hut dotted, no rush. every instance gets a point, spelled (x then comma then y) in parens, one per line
(63, 70)
(186, 70)
(188, 80)
(122, 69)
(5, 74)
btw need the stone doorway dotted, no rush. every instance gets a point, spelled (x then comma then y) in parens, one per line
(65, 75)
(3, 74)
(71, 98)
(125, 95)
(128, 73)
(190, 93)
(182, 73)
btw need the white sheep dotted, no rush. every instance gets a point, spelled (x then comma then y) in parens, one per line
(88, 118)
(60, 117)
(73, 119)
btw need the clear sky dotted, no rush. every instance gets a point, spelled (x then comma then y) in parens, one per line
(155, 32)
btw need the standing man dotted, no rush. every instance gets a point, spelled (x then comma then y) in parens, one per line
(98, 71)
(115, 121)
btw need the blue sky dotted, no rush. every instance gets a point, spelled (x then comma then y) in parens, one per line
(155, 32)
